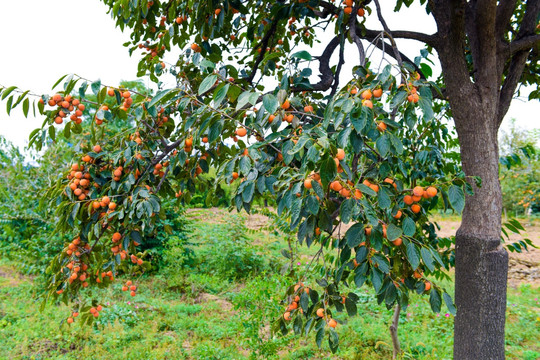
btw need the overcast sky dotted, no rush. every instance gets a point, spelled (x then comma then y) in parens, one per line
(43, 40)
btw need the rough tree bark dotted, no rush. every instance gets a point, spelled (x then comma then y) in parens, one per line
(481, 261)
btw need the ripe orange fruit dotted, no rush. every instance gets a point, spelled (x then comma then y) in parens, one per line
(377, 92)
(407, 199)
(431, 191)
(241, 132)
(116, 237)
(428, 285)
(418, 191)
(336, 186)
(286, 104)
(307, 184)
(357, 194)
(398, 215)
(368, 231)
(287, 316)
(217, 12)
(293, 306)
(366, 94)
(347, 10)
(361, 12)
(340, 154)
(374, 187)
(271, 118)
(317, 231)
(417, 275)
(332, 323)
(381, 126)
(349, 3)
(416, 208)
(367, 103)
(320, 312)
(97, 149)
(345, 192)
(397, 242)
(70, 320)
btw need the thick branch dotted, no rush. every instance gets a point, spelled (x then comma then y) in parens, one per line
(263, 46)
(431, 40)
(519, 58)
(327, 77)
(504, 14)
(525, 43)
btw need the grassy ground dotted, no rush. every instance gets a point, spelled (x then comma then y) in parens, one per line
(221, 309)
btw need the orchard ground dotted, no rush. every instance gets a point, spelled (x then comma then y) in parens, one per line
(202, 314)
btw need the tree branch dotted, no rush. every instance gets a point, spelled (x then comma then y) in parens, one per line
(504, 14)
(525, 43)
(431, 40)
(263, 45)
(327, 77)
(519, 58)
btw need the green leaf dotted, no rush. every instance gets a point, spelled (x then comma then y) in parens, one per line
(435, 301)
(346, 211)
(393, 232)
(457, 198)
(207, 84)
(449, 303)
(270, 103)
(412, 255)
(355, 235)
(59, 80)
(398, 99)
(409, 227)
(302, 55)
(243, 99)
(350, 306)
(26, 107)
(160, 95)
(95, 86)
(427, 258)
(220, 93)
(328, 171)
(383, 145)
(8, 91)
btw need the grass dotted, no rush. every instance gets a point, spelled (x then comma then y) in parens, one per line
(212, 312)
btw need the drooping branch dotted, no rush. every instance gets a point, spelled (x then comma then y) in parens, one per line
(431, 40)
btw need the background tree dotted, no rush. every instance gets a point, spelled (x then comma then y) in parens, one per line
(356, 152)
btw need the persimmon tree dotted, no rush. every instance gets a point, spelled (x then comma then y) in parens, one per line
(370, 148)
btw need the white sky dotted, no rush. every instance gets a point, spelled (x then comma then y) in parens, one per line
(43, 40)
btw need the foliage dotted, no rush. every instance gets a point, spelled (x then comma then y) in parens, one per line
(367, 153)
(375, 151)
(26, 228)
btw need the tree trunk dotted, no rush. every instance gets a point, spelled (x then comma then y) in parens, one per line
(481, 261)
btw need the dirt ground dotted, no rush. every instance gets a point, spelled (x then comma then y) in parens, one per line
(524, 267)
